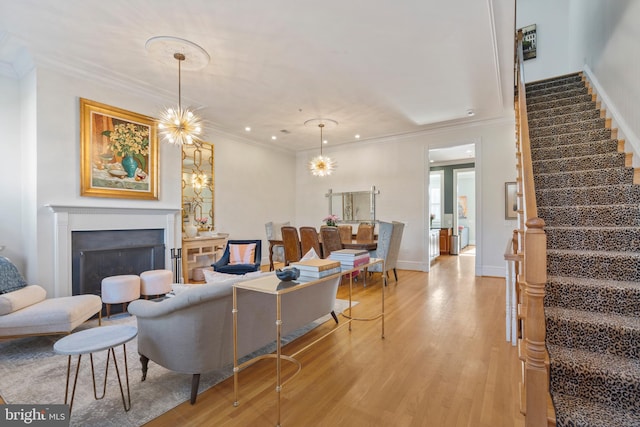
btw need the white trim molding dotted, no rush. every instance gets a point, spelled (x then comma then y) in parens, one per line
(625, 131)
(87, 218)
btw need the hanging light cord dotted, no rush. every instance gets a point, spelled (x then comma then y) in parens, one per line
(321, 125)
(180, 57)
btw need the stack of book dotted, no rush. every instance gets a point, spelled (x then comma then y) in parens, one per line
(350, 258)
(314, 269)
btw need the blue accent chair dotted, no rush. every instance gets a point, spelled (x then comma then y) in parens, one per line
(223, 265)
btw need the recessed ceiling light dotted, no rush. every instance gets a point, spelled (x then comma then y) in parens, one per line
(471, 113)
(357, 136)
(274, 137)
(248, 129)
(325, 141)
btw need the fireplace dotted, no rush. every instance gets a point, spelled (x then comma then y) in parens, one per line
(71, 219)
(97, 254)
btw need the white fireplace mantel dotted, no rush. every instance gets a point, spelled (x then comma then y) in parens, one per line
(88, 218)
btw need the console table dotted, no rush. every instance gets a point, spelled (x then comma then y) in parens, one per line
(200, 251)
(272, 285)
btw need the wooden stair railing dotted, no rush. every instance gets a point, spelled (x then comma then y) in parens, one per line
(512, 289)
(532, 277)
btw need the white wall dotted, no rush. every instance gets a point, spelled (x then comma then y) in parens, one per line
(10, 184)
(611, 32)
(398, 167)
(253, 183)
(554, 41)
(599, 37)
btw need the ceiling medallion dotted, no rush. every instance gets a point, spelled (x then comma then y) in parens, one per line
(179, 125)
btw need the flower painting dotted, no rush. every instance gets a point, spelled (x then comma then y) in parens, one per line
(119, 153)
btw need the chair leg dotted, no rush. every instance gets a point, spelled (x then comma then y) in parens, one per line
(333, 313)
(108, 310)
(395, 273)
(144, 360)
(195, 382)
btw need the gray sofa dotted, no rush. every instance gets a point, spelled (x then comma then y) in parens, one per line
(192, 333)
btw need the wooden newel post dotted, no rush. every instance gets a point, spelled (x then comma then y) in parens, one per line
(535, 276)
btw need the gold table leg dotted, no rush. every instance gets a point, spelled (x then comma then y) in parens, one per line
(110, 352)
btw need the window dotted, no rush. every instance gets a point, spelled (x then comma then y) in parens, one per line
(436, 192)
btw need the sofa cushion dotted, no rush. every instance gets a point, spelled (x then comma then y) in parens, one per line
(21, 298)
(10, 277)
(50, 316)
(217, 278)
(242, 254)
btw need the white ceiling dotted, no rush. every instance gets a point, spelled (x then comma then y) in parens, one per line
(380, 68)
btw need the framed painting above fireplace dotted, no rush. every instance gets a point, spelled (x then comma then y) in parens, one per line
(118, 153)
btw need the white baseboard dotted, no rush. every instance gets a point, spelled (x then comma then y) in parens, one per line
(493, 271)
(624, 130)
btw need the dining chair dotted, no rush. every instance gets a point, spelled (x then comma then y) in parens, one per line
(346, 234)
(291, 242)
(273, 233)
(365, 231)
(389, 238)
(309, 239)
(330, 240)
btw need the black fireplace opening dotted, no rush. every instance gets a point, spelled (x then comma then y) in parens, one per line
(102, 253)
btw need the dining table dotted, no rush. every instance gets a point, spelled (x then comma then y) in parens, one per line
(369, 245)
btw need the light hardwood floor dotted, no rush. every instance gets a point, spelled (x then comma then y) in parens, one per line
(444, 362)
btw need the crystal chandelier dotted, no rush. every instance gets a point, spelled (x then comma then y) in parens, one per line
(180, 125)
(322, 165)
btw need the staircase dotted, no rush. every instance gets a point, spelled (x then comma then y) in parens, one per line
(586, 194)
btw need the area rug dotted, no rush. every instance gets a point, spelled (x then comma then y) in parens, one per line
(31, 373)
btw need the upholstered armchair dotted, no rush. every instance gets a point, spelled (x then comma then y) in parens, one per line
(240, 257)
(389, 238)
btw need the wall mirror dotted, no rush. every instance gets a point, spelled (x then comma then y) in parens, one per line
(353, 206)
(197, 185)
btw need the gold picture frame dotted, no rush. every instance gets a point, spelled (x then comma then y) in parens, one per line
(118, 153)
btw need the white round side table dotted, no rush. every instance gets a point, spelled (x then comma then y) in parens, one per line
(90, 341)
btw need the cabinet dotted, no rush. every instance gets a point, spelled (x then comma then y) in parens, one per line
(200, 252)
(434, 244)
(445, 239)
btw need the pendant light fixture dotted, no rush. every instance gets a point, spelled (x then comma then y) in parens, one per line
(322, 165)
(180, 125)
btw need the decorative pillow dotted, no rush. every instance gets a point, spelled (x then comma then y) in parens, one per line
(10, 277)
(242, 254)
(215, 277)
(225, 279)
(23, 297)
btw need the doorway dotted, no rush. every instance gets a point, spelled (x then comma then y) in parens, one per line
(464, 219)
(452, 199)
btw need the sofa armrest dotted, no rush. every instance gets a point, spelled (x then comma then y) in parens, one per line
(24, 297)
(198, 294)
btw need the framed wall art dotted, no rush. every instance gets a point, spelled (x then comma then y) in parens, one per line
(529, 42)
(510, 200)
(118, 153)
